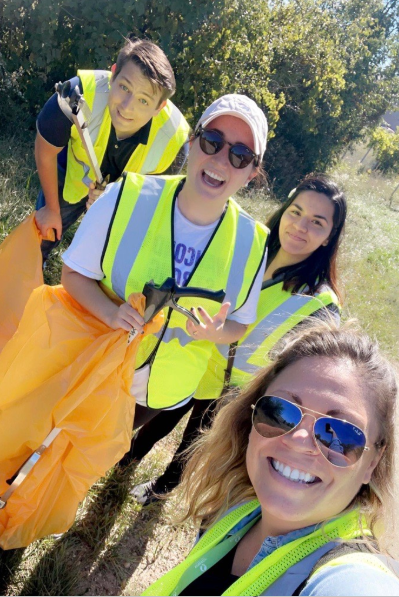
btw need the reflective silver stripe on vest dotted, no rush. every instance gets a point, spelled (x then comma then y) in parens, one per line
(242, 250)
(267, 326)
(99, 104)
(162, 138)
(86, 169)
(134, 235)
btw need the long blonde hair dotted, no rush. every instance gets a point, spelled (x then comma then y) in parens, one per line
(216, 477)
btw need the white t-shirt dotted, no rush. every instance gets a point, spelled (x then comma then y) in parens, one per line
(84, 256)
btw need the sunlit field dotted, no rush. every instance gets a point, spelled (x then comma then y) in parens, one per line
(116, 546)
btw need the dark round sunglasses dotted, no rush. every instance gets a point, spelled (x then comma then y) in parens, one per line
(211, 142)
(340, 442)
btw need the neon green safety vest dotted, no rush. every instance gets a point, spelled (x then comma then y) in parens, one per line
(139, 248)
(169, 131)
(278, 312)
(210, 549)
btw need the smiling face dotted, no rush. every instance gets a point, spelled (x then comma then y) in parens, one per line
(211, 179)
(132, 101)
(293, 481)
(306, 225)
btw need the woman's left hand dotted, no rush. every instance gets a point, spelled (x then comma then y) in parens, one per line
(210, 328)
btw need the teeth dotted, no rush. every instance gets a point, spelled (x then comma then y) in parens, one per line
(292, 474)
(213, 175)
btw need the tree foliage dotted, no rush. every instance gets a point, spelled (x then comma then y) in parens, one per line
(323, 70)
(385, 145)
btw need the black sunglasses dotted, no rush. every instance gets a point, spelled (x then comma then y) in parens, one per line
(211, 142)
(340, 442)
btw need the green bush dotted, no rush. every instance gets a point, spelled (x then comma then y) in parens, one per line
(323, 70)
(386, 150)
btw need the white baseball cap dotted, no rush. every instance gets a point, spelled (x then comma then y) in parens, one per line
(242, 107)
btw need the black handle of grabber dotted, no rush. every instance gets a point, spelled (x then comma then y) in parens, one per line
(213, 295)
(165, 295)
(72, 96)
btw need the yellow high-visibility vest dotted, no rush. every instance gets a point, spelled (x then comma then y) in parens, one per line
(298, 556)
(139, 248)
(278, 312)
(168, 133)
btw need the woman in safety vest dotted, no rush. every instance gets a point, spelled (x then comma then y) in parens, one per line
(293, 476)
(300, 280)
(188, 228)
(67, 377)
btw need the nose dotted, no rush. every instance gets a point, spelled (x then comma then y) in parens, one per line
(223, 155)
(128, 102)
(301, 438)
(302, 224)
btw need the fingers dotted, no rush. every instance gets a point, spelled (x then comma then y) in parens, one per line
(209, 326)
(48, 223)
(94, 194)
(58, 232)
(223, 312)
(129, 318)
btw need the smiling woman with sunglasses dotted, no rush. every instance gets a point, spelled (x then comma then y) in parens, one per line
(294, 475)
(185, 227)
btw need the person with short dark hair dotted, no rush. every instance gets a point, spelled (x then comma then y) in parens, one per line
(134, 127)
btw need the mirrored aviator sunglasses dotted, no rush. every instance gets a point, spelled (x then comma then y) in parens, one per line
(211, 142)
(340, 442)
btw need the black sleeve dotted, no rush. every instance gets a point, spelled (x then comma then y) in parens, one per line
(52, 123)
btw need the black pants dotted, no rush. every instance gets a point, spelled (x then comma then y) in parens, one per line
(160, 425)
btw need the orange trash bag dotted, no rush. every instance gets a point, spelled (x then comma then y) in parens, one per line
(65, 380)
(20, 272)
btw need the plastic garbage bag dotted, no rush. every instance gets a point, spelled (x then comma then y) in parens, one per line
(62, 369)
(20, 272)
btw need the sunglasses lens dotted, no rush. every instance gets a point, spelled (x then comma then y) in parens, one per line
(340, 442)
(211, 142)
(240, 156)
(273, 416)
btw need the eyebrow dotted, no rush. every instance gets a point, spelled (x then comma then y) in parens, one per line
(131, 85)
(315, 215)
(334, 412)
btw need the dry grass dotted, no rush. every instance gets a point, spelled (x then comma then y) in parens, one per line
(116, 546)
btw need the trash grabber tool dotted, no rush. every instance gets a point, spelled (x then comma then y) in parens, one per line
(167, 295)
(75, 108)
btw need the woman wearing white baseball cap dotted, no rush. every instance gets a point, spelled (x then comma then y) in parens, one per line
(190, 229)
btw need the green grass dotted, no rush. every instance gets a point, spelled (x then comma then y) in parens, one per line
(115, 546)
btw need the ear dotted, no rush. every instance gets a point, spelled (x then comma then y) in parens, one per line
(325, 242)
(252, 175)
(373, 463)
(160, 107)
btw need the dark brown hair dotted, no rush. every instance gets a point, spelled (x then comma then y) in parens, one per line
(152, 63)
(320, 266)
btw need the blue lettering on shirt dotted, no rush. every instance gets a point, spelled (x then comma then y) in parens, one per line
(187, 258)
